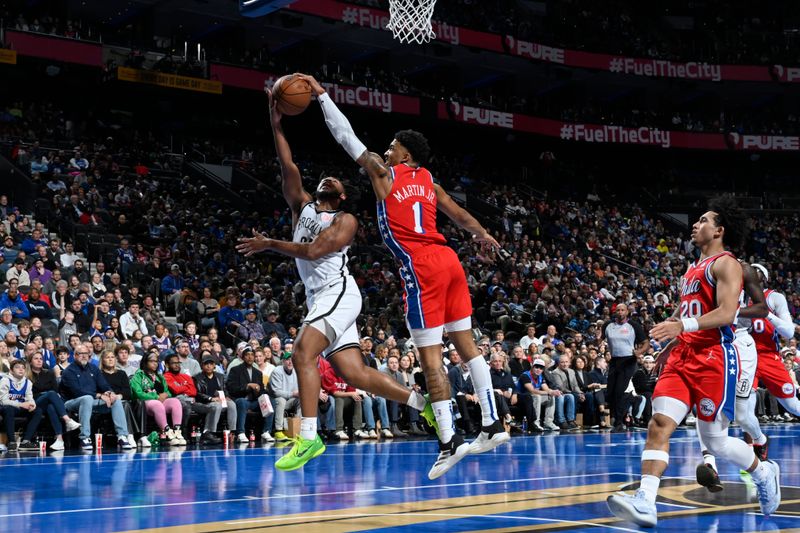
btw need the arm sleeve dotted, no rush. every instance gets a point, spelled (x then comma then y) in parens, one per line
(780, 316)
(340, 128)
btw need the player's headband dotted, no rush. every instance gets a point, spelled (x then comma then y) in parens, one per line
(762, 269)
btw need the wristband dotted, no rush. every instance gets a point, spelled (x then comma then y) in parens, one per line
(690, 325)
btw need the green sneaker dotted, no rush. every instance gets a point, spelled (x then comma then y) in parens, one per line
(302, 452)
(428, 415)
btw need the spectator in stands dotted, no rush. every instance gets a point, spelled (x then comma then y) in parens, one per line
(161, 338)
(172, 285)
(272, 326)
(119, 381)
(132, 321)
(264, 365)
(39, 272)
(126, 361)
(208, 308)
(372, 403)
(599, 377)
(250, 328)
(53, 255)
(151, 388)
(535, 395)
(18, 273)
(395, 409)
(245, 385)
(16, 397)
(189, 364)
(63, 360)
(550, 339)
(86, 391)
(12, 299)
(503, 386)
(562, 379)
(284, 390)
(48, 401)
(125, 256)
(644, 382)
(180, 383)
(529, 338)
(519, 362)
(6, 316)
(344, 397)
(463, 392)
(38, 306)
(212, 398)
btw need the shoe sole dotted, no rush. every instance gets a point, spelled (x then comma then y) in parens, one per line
(300, 465)
(451, 461)
(707, 479)
(621, 509)
(490, 444)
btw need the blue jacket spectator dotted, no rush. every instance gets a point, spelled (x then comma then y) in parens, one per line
(12, 299)
(82, 380)
(172, 283)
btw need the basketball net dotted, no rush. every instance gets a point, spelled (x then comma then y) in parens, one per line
(410, 20)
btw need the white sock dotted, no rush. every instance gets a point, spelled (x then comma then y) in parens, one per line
(308, 428)
(762, 440)
(710, 460)
(482, 381)
(444, 417)
(760, 473)
(416, 400)
(649, 485)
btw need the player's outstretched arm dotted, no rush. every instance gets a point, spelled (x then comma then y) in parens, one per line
(728, 275)
(343, 132)
(335, 237)
(293, 190)
(462, 218)
(752, 288)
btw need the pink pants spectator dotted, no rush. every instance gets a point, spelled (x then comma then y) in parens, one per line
(159, 410)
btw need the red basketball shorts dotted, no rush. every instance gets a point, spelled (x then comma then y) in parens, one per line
(771, 373)
(702, 376)
(436, 290)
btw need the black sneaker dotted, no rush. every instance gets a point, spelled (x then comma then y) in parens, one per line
(27, 445)
(761, 450)
(708, 477)
(209, 438)
(12, 446)
(86, 444)
(449, 454)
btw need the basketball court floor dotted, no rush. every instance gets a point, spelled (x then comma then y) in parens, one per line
(539, 483)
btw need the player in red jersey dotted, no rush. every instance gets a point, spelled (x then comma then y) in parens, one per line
(770, 371)
(436, 294)
(702, 369)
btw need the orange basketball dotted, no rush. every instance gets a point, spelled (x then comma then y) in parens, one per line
(292, 94)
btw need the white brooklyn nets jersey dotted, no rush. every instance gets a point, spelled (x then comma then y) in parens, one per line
(326, 269)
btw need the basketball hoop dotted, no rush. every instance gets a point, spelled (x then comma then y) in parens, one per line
(410, 20)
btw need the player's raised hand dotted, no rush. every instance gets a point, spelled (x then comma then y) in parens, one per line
(252, 245)
(274, 115)
(312, 82)
(487, 239)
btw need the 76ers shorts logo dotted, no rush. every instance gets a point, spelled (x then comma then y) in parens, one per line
(788, 388)
(707, 407)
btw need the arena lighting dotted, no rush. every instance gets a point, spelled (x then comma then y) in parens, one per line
(259, 8)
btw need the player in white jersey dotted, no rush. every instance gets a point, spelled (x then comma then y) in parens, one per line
(752, 305)
(322, 234)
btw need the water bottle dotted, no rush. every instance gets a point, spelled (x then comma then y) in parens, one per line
(252, 436)
(195, 434)
(524, 423)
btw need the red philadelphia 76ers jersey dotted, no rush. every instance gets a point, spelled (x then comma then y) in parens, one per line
(409, 212)
(698, 297)
(765, 334)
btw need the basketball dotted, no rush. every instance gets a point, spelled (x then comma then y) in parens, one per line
(292, 94)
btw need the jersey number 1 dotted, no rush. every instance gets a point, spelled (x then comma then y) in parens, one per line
(417, 208)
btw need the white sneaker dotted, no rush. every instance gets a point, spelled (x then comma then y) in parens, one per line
(691, 420)
(636, 508)
(449, 454)
(386, 433)
(125, 443)
(549, 426)
(241, 437)
(177, 438)
(372, 434)
(132, 440)
(341, 435)
(145, 442)
(72, 425)
(3, 448)
(267, 437)
(57, 445)
(490, 438)
(361, 434)
(769, 490)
